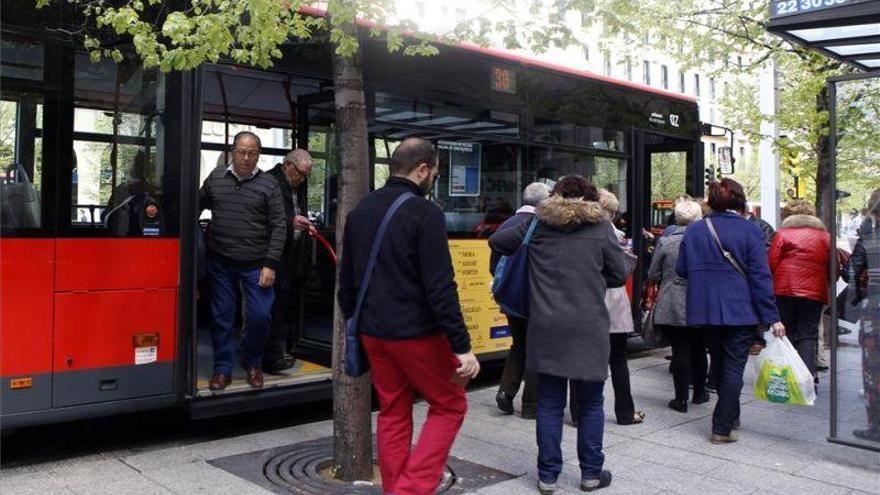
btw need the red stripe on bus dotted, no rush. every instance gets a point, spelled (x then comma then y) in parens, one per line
(526, 60)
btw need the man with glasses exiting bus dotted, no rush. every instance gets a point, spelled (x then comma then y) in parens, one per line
(245, 242)
(292, 175)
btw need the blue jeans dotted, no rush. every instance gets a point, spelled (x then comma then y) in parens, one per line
(257, 310)
(552, 392)
(729, 349)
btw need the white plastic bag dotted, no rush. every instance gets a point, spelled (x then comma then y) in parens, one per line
(783, 378)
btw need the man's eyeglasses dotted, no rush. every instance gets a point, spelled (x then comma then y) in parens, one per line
(293, 164)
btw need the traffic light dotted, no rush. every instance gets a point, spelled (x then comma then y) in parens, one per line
(791, 162)
(710, 174)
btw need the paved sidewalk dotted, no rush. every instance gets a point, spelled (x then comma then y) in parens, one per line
(782, 450)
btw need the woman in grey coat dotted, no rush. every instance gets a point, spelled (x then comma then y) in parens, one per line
(573, 259)
(689, 363)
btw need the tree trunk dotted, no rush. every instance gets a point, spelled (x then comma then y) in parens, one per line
(824, 194)
(352, 425)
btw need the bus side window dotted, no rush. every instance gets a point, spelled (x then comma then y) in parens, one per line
(120, 184)
(21, 162)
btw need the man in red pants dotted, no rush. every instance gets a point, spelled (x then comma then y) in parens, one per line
(410, 323)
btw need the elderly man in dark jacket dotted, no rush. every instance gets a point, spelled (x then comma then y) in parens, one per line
(292, 175)
(515, 365)
(574, 257)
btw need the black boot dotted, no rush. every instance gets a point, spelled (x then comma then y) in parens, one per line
(679, 405)
(504, 401)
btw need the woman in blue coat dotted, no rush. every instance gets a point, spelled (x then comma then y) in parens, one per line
(728, 297)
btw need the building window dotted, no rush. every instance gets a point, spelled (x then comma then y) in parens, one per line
(607, 63)
(712, 88)
(742, 152)
(712, 115)
(739, 62)
(681, 87)
(697, 85)
(586, 49)
(712, 147)
(646, 38)
(420, 9)
(629, 69)
(664, 76)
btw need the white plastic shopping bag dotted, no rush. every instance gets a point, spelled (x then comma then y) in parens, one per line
(783, 378)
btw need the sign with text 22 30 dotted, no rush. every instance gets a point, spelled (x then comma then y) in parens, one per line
(789, 7)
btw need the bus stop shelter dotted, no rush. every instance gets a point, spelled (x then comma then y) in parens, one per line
(849, 31)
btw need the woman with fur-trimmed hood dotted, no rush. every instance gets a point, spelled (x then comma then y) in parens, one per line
(799, 258)
(574, 257)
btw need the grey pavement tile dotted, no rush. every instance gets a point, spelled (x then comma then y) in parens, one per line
(128, 485)
(668, 456)
(32, 484)
(748, 453)
(680, 481)
(758, 478)
(71, 474)
(510, 460)
(158, 459)
(855, 477)
(200, 477)
(502, 436)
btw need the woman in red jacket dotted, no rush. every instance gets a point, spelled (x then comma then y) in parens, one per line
(799, 258)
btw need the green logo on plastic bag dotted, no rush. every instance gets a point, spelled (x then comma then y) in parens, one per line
(778, 384)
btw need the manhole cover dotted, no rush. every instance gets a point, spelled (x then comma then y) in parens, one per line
(296, 469)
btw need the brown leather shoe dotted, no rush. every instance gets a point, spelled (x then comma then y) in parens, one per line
(722, 439)
(254, 376)
(219, 381)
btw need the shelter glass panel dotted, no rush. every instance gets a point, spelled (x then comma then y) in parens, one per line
(854, 338)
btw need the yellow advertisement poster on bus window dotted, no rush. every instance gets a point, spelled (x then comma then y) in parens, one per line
(486, 324)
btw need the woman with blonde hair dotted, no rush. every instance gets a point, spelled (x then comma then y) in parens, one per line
(620, 312)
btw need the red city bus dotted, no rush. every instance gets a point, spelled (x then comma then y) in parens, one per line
(103, 299)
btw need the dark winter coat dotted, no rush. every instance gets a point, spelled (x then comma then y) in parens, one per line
(574, 258)
(799, 258)
(672, 299)
(717, 295)
(413, 292)
(293, 256)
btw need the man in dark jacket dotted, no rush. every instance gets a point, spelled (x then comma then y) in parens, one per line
(292, 176)
(515, 366)
(245, 243)
(411, 324)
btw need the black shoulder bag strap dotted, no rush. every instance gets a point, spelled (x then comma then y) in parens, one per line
(729, 257)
